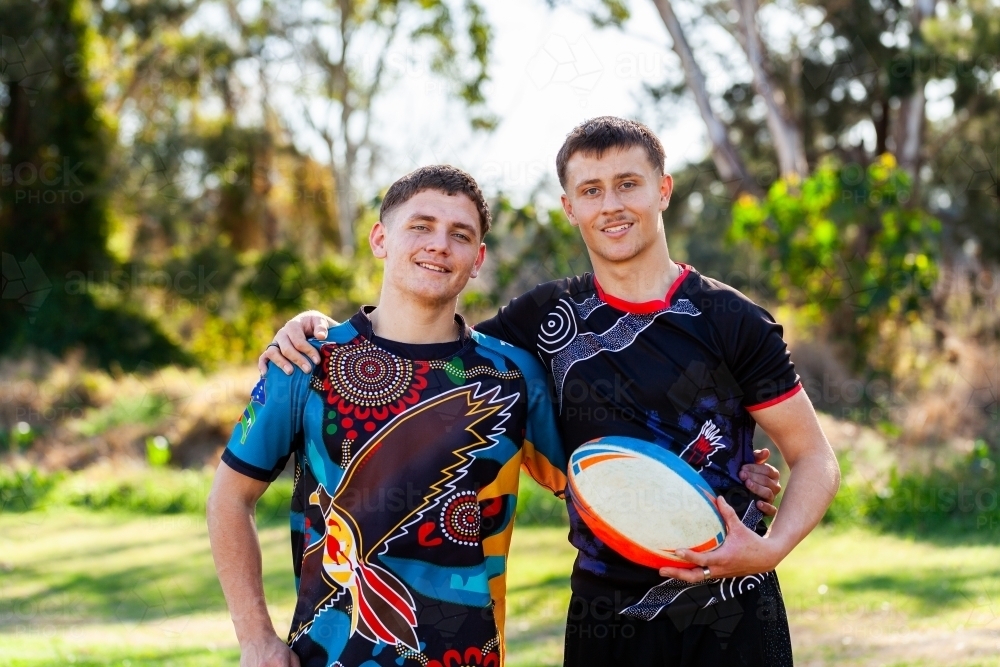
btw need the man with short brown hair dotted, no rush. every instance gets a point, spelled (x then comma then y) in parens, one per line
(649, 348)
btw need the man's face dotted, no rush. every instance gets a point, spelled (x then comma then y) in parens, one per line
(616, 201)
(431, 246)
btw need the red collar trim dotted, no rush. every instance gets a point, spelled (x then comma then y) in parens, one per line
(646, 307)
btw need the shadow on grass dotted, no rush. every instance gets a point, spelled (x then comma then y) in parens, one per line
(136, 594)
(187, 657)
(551, 583)
(933, 590)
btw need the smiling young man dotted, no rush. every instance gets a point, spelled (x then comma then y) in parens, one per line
(649, 348)
(408, 436)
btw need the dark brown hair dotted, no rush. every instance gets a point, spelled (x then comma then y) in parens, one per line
(441, 177)
(599, 135)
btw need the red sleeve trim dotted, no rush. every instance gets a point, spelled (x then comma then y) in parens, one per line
(774, 401)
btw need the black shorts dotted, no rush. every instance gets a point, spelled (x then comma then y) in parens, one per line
(748, 630)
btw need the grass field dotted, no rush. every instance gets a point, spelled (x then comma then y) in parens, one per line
(102, 588)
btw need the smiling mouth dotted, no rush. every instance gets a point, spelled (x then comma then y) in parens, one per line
(431, 267)
(617, 228)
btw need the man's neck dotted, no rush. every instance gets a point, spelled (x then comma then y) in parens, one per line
(646, 277)
(403, 319)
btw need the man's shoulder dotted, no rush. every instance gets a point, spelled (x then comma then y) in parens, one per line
(340, 334)
(718, 299)
(548, 294)
(510, 357)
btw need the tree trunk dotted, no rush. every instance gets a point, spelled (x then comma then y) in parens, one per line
(727, 161)
(785, 132)
(910, 122)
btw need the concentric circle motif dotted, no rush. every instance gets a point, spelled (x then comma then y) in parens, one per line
(460, 518)
(369, 376)
(558, 329)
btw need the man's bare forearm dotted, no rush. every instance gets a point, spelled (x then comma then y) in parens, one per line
(236, 551)
(813, 481)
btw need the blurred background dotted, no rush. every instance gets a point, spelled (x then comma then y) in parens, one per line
(178, 178)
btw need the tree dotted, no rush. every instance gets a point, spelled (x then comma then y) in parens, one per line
(340, 53)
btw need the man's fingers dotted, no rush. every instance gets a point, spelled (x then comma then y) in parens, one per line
(293, 660)
(767, 508)
(693, 576)
(262, 363)
(291, 354)
(320, 333)
(762, 469)
(761, 455)
(297, 339)
(273, 355)
(762, 491)
(728, 516)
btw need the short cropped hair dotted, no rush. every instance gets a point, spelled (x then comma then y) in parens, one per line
(599, 135)
(441, 177)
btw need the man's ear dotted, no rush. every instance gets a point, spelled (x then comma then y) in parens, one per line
(666, 189)
(480, 258)
(568, 209)
(376, 239)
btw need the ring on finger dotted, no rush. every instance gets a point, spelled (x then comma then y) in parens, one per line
(708, 573)
(273, 344)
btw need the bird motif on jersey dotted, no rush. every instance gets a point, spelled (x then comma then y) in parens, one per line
(433, 440)
(699, 451)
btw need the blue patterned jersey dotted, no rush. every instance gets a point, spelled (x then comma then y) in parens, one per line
(406, 476)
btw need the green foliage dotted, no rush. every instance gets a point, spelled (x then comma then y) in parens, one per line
(146, 409)
(844, 247)
(533, 247)
(536, 506)
(962, 498)
(22, 490)
(144, 491)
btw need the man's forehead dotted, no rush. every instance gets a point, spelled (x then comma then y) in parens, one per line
(614, 161)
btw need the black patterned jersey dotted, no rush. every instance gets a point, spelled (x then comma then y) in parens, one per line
(406, 479)
(685, 373)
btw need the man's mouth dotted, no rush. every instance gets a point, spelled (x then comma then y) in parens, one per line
(433, 267)
(615, 229)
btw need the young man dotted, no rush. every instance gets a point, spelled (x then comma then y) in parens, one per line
(648, 348)
(408, 436)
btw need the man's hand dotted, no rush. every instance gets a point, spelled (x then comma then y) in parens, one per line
(744, 552)
(762, 480)
(268, 652)
(291, 343)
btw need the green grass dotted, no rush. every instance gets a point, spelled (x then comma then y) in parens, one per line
(104, 588)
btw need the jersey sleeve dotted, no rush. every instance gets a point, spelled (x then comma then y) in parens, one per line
(761, 362)
(517, 323)
(264, 437)
(544, 457)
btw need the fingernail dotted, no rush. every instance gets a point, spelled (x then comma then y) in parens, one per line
(305, 367)
(288, 369)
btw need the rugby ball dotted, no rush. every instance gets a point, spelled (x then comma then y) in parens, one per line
(643, 501)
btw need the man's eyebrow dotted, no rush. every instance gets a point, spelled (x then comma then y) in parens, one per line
(618, 177)
(463, 225)
(426, 217)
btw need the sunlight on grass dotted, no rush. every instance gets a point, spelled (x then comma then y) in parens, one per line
(102, 588)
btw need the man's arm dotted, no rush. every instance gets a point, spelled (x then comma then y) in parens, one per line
(813, 480)
(290, 346)
(236, 551)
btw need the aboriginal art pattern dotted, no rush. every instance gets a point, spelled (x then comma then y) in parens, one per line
(559, 334)
(659, 597)
(406, 475)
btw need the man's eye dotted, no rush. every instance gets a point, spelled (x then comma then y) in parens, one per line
(590, 191)
(628, 185)
(462, 237)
